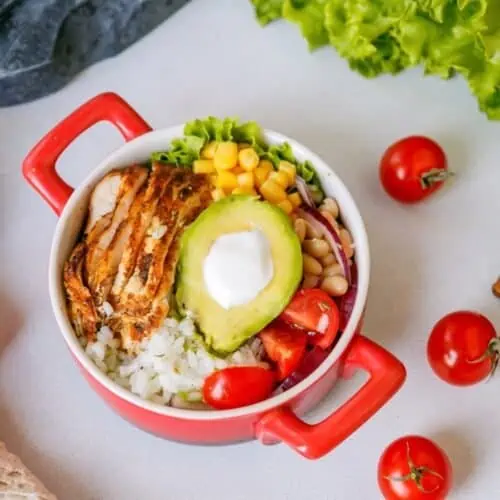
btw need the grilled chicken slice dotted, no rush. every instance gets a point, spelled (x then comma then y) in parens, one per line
(145, 304)
(103, 198)
(182, 195)
(157, 184)
(131, 181)
(81, 307)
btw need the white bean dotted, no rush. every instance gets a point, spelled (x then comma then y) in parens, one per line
(311, 265)
(333, 270)
(336, 286)
(330, 205)
(317, 248)
(310, 281)
(312, 232)
(300, 229)
(345, 238)
(328, 260)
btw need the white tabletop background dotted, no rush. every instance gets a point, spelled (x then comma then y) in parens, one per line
(213, 58)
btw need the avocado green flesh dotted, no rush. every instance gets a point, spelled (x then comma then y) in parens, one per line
(225, 330)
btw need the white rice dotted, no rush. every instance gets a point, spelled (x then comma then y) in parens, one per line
(171, 364)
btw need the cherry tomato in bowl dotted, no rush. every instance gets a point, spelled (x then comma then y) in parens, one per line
(463, 348)
(285, 346)
(414, 468)
(238, 386)
(315, 311)
(413, 168)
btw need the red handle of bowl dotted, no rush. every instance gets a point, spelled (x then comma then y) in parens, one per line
(39, 167)
(387, 374)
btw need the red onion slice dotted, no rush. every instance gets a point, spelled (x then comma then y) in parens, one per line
(321, 224)
(311, 360)
(347, 301)
(304, 191)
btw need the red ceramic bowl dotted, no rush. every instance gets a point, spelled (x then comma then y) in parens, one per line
(274, 420)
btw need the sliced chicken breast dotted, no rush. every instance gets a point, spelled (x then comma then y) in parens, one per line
(103, 198)
(132, 179)
(81, 308)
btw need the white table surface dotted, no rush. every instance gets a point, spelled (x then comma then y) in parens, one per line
(213, 58)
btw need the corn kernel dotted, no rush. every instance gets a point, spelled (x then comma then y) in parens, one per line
(237, 170)
(280, 178)
(262, 172)
(246, 180)
(244, 190)
(213, 179)
(208, 152)
(218, 194)
(226, 156)
(286, 206)
(295, 199)
(248, 159)
(289, 169)
(226, 181)
(272, 191)
(203, 166)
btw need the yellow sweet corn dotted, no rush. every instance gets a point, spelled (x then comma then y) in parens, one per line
(295, 199)
(272, 191)
(289, 169)
(237, 170)
(226, 181)
(213, 179)
(245, 180)
(208, 151)
(203, 167)
(248, 159)
(226, 156)
(280, 178)
(243, 190)
(218, 194)
(262, 172)
(286, 206)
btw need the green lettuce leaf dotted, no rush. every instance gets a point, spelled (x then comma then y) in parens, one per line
(309, 16)
(182, 151)
(267, 11)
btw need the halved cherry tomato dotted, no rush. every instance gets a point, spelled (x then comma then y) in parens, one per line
(413, 168)
(238, 386)
(463, 348)
(315, 311)
(285, 346)
(414, 468)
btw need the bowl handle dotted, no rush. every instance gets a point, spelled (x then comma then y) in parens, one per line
(39, 167)
(387, 375)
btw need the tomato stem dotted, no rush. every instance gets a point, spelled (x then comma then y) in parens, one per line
(493, 353)
(434, 176)
(416, 474)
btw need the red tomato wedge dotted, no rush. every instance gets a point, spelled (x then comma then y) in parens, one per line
(315, 311)
(238, 386)
(285, 346)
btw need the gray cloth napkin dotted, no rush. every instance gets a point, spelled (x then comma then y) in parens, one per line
(44, 43)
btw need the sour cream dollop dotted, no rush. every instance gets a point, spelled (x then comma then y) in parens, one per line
(238, 267)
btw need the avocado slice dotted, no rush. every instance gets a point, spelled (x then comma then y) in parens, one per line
(225, 330)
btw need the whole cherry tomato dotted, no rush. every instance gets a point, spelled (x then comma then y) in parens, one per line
(285, 346)
(237, 386)
(315, 311)
(414, 468)
(463, 348)
(413, 168)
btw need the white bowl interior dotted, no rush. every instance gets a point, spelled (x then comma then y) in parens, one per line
(138, 151)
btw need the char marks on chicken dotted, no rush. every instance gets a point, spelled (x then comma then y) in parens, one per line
(128, 255)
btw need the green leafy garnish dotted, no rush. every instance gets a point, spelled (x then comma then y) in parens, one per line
(184, 151)
(445, 37)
